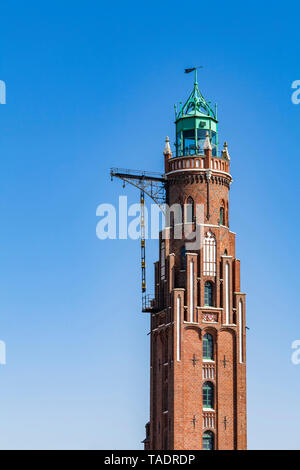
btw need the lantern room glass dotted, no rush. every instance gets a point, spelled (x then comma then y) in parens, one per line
(186, 142)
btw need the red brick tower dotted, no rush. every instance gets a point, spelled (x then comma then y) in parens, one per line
(198, 343)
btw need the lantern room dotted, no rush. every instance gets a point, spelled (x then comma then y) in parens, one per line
(193, 120)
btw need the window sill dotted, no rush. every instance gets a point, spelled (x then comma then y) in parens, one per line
(207, 307)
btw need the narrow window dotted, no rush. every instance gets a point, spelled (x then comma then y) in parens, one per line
(209, 255)
(208, 347)
(182, 258)
(208, 395)
(162, 260)
(227, 213)
(208, 441)
(208, 294)
(190, 210)
(222, 218)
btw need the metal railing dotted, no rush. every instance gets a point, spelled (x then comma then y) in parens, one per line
(137, 173)
(147, 302)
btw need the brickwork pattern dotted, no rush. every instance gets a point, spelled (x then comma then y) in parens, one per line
(180, 320)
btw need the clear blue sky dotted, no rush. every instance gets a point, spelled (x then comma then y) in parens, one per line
(89, 85)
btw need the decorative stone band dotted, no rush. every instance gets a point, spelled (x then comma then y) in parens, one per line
(198, 177)
(208, 371)
(209, 420)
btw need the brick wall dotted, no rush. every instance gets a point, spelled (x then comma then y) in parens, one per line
(180, 320)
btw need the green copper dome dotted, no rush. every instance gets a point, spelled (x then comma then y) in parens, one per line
(193, 120)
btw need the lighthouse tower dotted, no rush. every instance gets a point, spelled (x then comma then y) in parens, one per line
(198, 342)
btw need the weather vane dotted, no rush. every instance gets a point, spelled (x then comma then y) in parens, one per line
(192, 69)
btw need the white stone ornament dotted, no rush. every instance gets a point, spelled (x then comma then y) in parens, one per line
(225, 153)
(207, 144)
(167, 149)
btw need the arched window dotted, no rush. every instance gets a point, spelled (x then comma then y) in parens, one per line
(208, 395)
(208, 294)
(222, 216)
(208, 440)
(190, 210)
(182, 258)
(208, 347)
(209, 255)
(227, 213)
